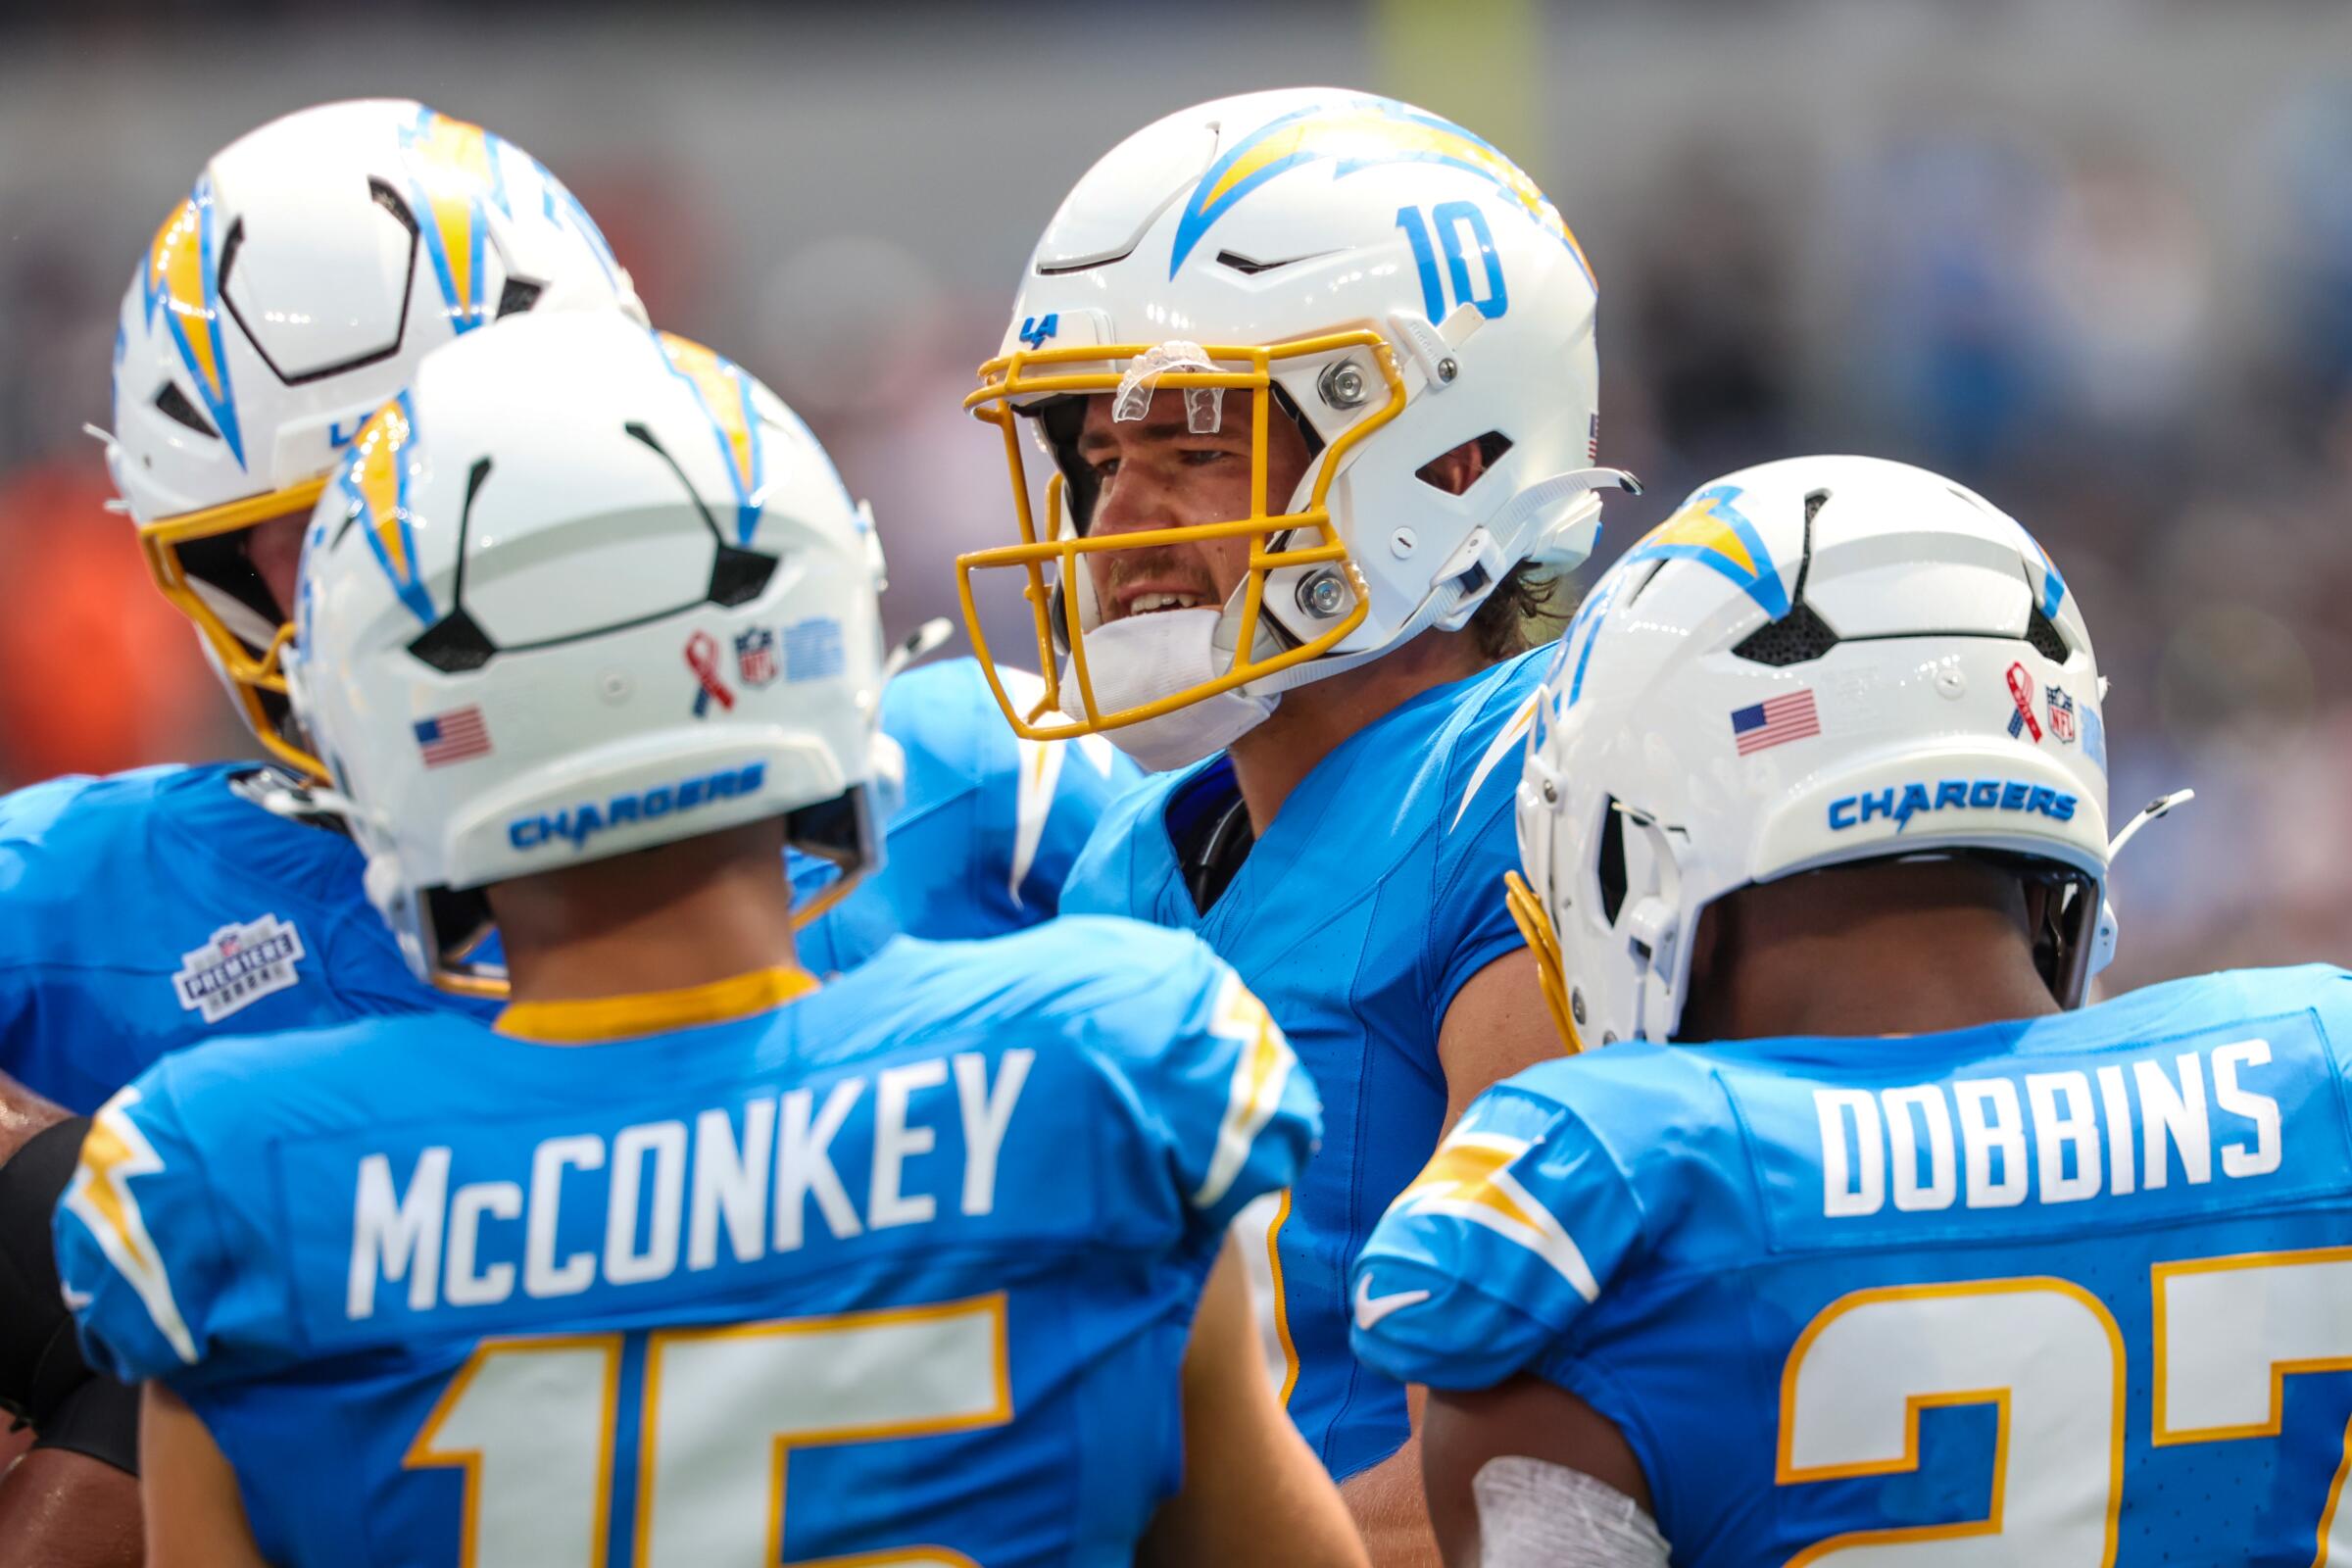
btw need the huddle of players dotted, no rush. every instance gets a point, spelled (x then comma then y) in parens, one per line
(566, 635)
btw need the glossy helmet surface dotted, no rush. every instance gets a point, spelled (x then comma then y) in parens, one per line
(1815, 661)
(313, 264)
(582, 590)
(1400, 285)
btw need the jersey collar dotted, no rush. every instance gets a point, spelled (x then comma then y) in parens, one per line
(595, 1019)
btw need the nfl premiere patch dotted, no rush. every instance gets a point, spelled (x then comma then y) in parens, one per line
(240, 967)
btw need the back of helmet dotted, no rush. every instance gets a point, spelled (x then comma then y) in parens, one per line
(582, 590)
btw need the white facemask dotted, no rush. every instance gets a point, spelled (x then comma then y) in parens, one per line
(1143, 657)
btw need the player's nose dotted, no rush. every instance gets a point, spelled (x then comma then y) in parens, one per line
(1133, 501)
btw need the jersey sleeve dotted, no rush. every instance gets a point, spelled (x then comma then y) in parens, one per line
(1477, 841)
(139, 1246)
(1486, 1261)
(1211, 1077)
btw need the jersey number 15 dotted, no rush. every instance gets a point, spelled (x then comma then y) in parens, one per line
(533, 1422)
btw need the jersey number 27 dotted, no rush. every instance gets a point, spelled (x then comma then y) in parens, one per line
(2047, 1354)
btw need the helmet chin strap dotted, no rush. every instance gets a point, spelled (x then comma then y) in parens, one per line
(1451, 603)
(930, 636)
(2107, 933)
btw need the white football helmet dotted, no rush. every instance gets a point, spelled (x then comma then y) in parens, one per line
(581, 591)
(1403, 286)
(294, 290)
(1817, 661)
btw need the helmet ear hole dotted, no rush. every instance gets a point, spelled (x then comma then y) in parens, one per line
(1490, 449)
(1609, 864)
(1059, 421)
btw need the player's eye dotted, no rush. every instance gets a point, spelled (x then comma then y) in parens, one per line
(1202, 457)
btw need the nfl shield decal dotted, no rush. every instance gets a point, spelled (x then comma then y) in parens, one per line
(2062, 715)
(238, 967)
(755, 656)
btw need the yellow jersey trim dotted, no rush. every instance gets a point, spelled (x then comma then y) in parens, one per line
(651, 1012)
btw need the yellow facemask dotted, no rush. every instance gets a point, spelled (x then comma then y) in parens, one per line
(1534, 924)
(250, 674)
(1010, 380)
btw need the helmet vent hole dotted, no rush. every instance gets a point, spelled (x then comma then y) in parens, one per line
(518, 295)
(1490, 449)
(1796, 638)
(174, 405)
(1800, 635)
(2043, 634)
(231, 243)
(1611, 865)
(1247, 267)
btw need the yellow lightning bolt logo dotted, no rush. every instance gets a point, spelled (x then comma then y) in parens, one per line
(1711, 530)
(718, 384)
(456, 170)
(1698, 525)
(1469, 1178)
(175, 282)
(112, 1154)
(1355, 136)
(375, 477)
(177, 285)
(725, 395)
(375, 491)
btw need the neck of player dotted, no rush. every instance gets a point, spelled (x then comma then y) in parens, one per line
(1918, 948)
(661, 920)
(1311, 720)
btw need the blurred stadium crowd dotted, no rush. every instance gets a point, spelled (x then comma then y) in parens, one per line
(2093, 256)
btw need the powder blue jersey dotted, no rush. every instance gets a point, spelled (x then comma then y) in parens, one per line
(2073, 1291)
(989, 826)
(146, 912)
(1376, 892)
(905, 1267)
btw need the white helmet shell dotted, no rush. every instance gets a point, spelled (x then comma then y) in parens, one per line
(578, 592)
(1411, 291)
(1814, 661)
(314, 262)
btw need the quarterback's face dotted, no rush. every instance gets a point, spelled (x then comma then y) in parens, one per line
(275, 549)
(1156, 473)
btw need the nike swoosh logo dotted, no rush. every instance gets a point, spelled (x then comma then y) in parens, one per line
(1370, 1308)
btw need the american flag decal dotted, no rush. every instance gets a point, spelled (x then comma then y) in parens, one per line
(453, 737)
(1775, 720)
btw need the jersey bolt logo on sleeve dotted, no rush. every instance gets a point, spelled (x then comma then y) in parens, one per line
(1469, 1179)
(100, 1197)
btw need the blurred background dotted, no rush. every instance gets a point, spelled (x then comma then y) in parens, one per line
(2092, 258)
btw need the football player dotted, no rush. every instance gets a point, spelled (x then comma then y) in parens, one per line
(289, 294)
(1854, 1236)
(285, 301)
(1315, 372)
(684, 1252)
